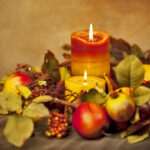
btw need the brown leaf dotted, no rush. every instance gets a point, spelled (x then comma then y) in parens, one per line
(138, 127)
(118, 46)
(66, 47)
(67, 56)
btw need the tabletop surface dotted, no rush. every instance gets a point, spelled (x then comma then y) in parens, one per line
(28, 28)
(72, 142)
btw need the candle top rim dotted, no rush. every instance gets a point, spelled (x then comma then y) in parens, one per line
(83, 35)
(90, 79)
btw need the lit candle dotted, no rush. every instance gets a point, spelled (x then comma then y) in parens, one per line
(85, 78)
(90, 52)
(76, 84)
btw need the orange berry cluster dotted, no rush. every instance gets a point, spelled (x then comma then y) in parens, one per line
(57, 125)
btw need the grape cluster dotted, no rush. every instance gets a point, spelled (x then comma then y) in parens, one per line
(57, 125)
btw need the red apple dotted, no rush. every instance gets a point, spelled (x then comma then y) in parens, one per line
(90, 119)
(16, 79)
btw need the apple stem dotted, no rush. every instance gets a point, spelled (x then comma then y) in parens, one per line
(114, 94)
(104, 133)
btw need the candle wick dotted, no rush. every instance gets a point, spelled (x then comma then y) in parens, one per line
(91, 40)
(85, 78)
(91, 33)
(85, 82)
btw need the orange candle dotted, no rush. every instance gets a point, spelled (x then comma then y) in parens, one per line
(91, 52)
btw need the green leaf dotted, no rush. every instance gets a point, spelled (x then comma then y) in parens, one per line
(18, 129)
(51, 65)
(94, 96)
(24, 91)
(64, 73)
(45, 98)
(10, 101)
(137, 51)
(36, 111)
(137, 138)
(130, 72)
(141, 95)
(3, 111)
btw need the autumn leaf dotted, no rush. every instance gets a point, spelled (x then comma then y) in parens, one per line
(64, 73)
(44, 98)
(24, 91)
(130, 72)
(18, 129)
(3, 111)
(141, 95)
(36, 111)
(94, 96)
(137, 51)
(137, 138)
(118, 46)
(51, 65)
(10, 101)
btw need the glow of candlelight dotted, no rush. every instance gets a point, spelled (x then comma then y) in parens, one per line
(91, 33)
(85, 78)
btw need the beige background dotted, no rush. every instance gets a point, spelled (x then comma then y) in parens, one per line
(29, 27)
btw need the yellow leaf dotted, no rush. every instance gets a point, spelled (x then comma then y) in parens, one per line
(24, 91)
(136, 116)
(123, 134)
(64, 73)
(41, 82)
(110, 88)
(37, 69)
(147, 72)
(137, 138)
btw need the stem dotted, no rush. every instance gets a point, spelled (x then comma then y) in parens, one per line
(56, 100)
(104, 133)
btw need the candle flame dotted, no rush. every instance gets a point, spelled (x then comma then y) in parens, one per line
(91, 33)
(85, 78)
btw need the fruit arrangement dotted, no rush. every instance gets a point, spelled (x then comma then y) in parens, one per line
(31, 94)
